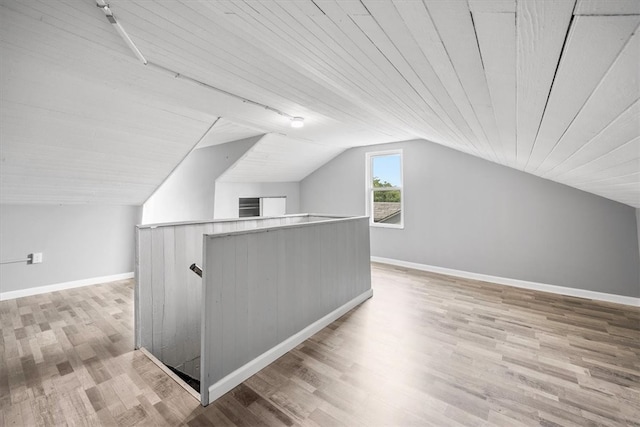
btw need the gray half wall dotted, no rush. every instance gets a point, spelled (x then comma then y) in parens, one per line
(638, 231)
(78, 242)
(638, 224)
(468, 214)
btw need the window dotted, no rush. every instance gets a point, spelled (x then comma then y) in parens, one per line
(385, 201)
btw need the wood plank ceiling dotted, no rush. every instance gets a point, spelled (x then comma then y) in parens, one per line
(550, 87)
(276, 158)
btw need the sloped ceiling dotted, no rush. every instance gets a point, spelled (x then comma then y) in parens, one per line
(549, 87)
(276, 158)
(226, 131)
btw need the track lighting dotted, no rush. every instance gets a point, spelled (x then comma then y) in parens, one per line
(123, 34)
(296, 122)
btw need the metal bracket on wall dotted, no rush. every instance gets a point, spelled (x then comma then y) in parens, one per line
(194, 267)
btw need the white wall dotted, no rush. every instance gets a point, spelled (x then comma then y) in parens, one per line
(638, 230)
(468, 214)
(228, 193)
(78, 242)
(188, 194)
(638, 224)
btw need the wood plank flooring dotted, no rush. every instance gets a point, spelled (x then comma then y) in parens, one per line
(427, 349)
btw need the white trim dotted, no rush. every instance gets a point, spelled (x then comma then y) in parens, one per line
(241, 374)
(562, 290)
(65, 285)
(369, 189)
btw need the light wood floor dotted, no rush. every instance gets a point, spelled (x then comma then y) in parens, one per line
(427, 349)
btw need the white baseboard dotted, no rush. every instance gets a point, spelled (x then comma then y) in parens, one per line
(562, 290)
(241, 374)
(65, 285)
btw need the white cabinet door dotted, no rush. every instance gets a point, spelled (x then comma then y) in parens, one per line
(274, 206)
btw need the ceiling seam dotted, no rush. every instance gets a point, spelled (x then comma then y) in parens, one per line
(484, 74)
(335, 83)
(455, 129)
(613, 63)
(444, 47)
(615, 119)
(555, 73)
(621, 146)
(396, 69)
(332, 83)
(389, 95)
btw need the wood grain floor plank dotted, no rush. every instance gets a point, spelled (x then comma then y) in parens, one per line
(427, 349)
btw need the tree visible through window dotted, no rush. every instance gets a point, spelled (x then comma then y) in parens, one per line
(384, 175)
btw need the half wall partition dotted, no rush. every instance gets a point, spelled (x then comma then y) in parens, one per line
(268, 284)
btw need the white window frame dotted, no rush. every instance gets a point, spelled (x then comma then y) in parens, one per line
(369, 187)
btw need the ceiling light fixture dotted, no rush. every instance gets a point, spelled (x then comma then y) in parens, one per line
(297, 122)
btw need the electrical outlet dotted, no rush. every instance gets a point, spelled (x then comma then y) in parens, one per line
(36, 258)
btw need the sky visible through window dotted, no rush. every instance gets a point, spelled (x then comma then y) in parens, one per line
(387, 168)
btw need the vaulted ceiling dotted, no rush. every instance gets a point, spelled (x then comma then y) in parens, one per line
(550, 87)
